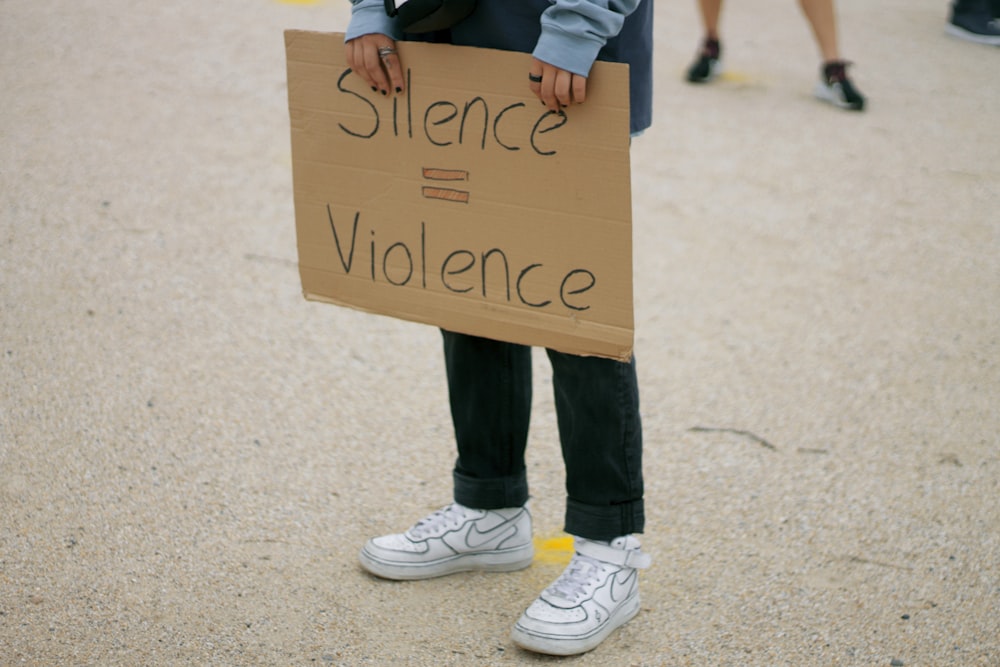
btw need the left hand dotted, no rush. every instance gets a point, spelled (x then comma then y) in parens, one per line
(373, 57)
(558, 88)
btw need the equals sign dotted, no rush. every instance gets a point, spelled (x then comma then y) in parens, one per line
(440, 192)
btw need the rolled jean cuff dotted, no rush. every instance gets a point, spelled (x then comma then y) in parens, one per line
(491, 494)
(604, 522)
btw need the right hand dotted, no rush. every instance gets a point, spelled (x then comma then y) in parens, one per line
(557, 88)
(382, 73)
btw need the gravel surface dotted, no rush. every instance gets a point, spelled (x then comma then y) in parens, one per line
(191, 454)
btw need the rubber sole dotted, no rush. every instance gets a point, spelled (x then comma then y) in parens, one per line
(551, 644)
(969, 36)
(509, 560)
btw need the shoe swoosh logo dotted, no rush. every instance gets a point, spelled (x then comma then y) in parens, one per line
(621, 585)
(476, 538)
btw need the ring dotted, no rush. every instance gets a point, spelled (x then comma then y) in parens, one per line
(385, 51)
(534, 78)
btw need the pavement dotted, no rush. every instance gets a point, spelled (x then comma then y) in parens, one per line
(191, 454)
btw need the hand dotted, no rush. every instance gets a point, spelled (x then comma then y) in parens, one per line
(373, 57)
(557, 88)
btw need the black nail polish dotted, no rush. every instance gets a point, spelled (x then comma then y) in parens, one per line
(374, 89)
(398, 89)
(385, 93)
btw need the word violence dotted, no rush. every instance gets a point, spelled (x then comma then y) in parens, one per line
(488, 272)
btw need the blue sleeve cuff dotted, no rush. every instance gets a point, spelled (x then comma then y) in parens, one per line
(575, 31)
(567, 51)
(368, 17)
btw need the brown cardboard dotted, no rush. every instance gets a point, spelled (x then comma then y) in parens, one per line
(462, 202)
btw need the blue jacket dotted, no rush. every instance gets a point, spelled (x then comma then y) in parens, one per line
(569, 34)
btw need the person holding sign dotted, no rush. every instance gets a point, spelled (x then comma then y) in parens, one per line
(488, 526)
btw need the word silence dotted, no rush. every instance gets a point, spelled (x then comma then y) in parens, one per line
(447, 122)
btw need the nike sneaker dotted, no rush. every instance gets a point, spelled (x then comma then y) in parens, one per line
(836, 88)
(598, 592)
(706, 64)
(454, 539)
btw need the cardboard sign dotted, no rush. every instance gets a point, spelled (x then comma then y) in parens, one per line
(463, 202)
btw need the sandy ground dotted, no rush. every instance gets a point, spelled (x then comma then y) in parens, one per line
(191, 454)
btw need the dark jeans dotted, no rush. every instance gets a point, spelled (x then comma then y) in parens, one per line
(597, 403)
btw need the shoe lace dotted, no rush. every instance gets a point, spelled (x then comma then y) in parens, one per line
(438, 522)
(581, 573)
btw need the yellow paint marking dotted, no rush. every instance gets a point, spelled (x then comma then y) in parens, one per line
(554, 550)
(736, 77)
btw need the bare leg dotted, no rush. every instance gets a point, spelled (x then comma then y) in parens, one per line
(834, 87)
(710, 11)
(823, 20)
(706, 63)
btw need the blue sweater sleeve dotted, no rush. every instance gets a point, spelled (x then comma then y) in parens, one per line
(367, 17)
(574, 31)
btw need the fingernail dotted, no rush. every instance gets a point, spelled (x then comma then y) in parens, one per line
(374, 89)
(398, 89)
(385, 93)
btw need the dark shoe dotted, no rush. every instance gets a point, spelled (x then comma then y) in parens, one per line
(706, 65)
(974, 22)
(834, 87)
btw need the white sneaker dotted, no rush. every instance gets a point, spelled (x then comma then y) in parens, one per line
(598, 592)
(454, 539)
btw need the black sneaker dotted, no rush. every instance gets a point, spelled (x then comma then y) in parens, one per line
(706, 65)
(834, 87)
(974, 22)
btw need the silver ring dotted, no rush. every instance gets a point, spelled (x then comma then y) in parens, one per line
(385, 51)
